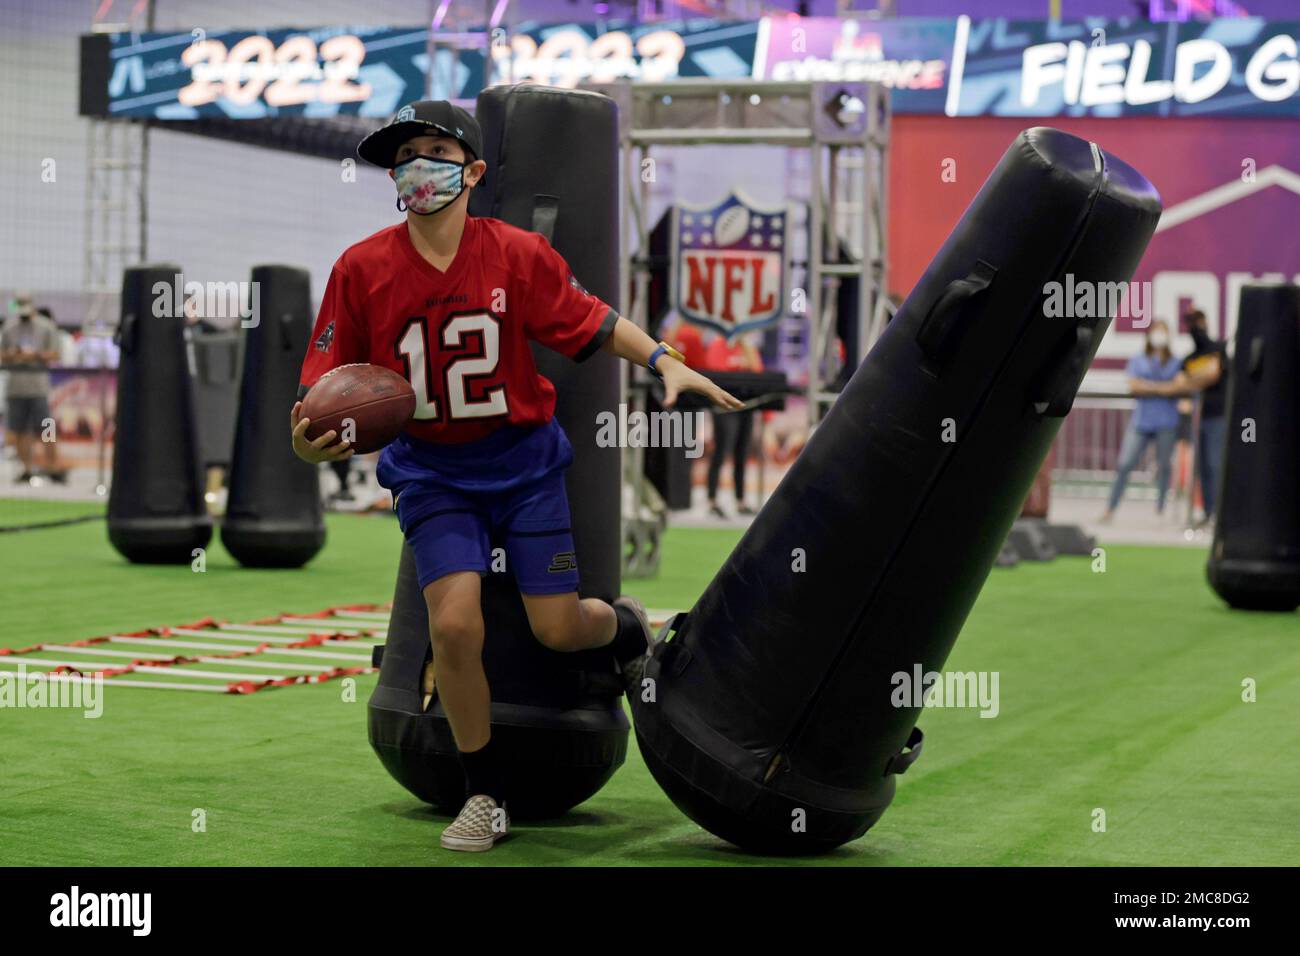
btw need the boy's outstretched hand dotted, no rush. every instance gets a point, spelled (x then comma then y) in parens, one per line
(628, 341)
(681, 378)
(320, 449)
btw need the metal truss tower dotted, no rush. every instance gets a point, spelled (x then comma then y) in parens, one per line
(117, 164)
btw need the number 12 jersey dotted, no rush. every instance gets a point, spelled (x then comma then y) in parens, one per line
(460, 337)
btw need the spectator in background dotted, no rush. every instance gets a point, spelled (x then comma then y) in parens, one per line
(732, 431)
(1154, 381)
(195, 320)
(1206, 370)
(343, 472)
(67, 342)
(686, 338)
(96, 349)
(1182, 480)
(29, 344)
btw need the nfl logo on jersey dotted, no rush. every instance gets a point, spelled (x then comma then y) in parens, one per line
(326, 339)
(577, 285)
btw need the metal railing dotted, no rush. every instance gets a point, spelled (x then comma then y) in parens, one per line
(1087, 452)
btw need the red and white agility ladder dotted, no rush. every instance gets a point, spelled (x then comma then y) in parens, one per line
(287, 649)
(336, 642)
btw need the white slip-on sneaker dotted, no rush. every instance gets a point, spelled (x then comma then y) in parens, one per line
(478, 826)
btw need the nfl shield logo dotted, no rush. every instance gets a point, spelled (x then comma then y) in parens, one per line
(325, 341)
(730, 263)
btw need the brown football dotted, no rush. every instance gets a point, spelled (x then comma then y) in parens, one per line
(375, 401)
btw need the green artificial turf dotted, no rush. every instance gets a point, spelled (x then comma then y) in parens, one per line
(19, 513)
(1119, 690)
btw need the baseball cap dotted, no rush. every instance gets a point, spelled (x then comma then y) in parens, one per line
(421, 118)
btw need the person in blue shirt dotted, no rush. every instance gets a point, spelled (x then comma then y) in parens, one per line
(1155, 378)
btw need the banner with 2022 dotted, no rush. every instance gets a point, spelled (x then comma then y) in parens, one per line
(1242, 66)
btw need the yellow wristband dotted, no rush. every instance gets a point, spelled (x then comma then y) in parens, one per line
(669, 350)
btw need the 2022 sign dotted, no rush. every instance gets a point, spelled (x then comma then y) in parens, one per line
(292, 73)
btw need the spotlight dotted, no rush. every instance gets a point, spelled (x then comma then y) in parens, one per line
(844, 108)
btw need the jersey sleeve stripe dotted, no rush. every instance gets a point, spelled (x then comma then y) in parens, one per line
(598, 339)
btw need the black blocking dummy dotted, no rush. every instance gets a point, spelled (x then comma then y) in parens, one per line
(1255, 560)
(274, 517)
(552, 168)
(778, 711)
(156, 511)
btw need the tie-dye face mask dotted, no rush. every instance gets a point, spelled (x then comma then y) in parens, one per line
(428, 185)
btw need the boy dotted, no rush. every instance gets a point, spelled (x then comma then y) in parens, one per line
(450, 301)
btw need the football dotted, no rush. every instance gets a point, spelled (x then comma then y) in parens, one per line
(731, 227)
(367, 403)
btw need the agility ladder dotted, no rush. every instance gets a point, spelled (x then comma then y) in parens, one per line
(303, 648)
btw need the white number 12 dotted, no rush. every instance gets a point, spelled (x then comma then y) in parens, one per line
(411, 348)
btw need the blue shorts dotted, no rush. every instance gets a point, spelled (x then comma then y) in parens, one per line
(456, 504)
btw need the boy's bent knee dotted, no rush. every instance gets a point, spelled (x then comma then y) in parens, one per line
(456, 638)
(558, 636)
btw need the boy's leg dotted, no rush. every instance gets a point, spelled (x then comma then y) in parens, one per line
(565, 622)
(447, 534)
(540, 553)
(456, 632)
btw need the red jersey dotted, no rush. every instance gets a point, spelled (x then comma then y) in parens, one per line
(459, 337)
(686, 339)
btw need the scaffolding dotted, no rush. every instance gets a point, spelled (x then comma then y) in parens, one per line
(117, 164)
(844, 127)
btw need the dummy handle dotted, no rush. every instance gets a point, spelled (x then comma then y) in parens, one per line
(546, 209)
(946, 323)
(673, 656)
(286, 333)
(1063, 380)
(124, 336)
(907, 756)
(1256, 368)
(671, 626)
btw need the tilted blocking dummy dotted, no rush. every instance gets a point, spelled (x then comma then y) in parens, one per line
(778, 712)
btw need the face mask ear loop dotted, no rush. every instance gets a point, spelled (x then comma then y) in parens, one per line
(401, 206)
